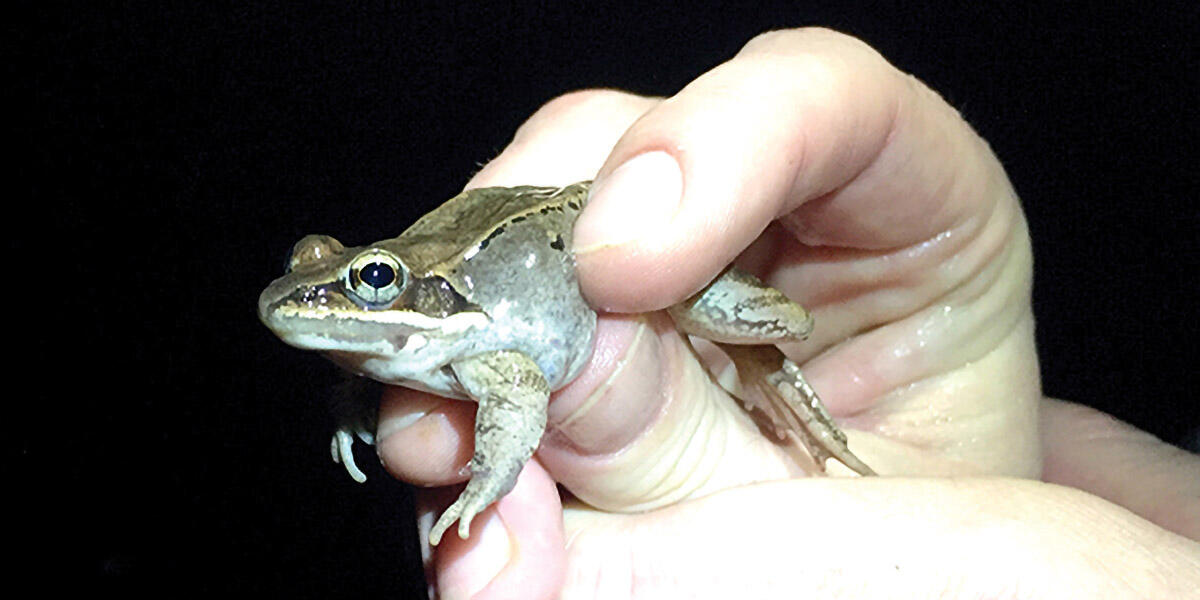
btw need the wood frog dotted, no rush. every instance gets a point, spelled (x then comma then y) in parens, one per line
(479, 300)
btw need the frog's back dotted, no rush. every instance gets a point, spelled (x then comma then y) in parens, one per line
(463, 225)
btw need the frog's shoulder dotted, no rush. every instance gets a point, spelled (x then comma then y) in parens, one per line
(439, 239)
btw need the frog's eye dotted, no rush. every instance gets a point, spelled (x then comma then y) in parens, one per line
(312, 248)
(376, 276)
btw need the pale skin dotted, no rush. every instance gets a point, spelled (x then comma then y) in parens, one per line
(901, 232)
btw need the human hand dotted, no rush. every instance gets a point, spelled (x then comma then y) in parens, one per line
(899, 229)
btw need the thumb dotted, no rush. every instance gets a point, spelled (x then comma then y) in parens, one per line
(796, 115)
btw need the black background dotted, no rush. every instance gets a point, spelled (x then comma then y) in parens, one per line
(171, 156)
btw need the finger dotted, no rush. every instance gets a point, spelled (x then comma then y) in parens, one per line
(804, 117)
(424, 439)
(645, 426)
(1094, 452)
(879, 537)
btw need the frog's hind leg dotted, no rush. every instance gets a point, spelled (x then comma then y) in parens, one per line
(513, 394)
(743, 316)
(775, 386)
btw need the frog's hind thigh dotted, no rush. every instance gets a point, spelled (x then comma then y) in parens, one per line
(739, 308)
(512, 393)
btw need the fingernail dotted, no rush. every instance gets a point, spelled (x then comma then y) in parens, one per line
(404, 414)
(486, 558)
(637, 199)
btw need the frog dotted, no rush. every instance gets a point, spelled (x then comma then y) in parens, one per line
(479, 300)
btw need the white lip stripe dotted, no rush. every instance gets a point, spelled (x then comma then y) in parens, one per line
(451, 324)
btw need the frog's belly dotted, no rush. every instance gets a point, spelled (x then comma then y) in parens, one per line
(560, 346)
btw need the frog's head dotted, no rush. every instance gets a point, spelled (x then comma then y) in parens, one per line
(361, 301)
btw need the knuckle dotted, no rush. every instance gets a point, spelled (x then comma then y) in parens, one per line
(817, 42)
(589, 99)
(582, 105)
(824, 57)
(798, 38)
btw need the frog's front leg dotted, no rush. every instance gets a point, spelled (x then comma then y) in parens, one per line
(512, 394)
(355, 406)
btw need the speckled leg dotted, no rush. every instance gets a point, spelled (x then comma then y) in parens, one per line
(737, 309)
(512, 393)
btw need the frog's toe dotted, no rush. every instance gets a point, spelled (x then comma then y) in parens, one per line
(342, 448)
(468, 514)
(444, 522)
(464, 511)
